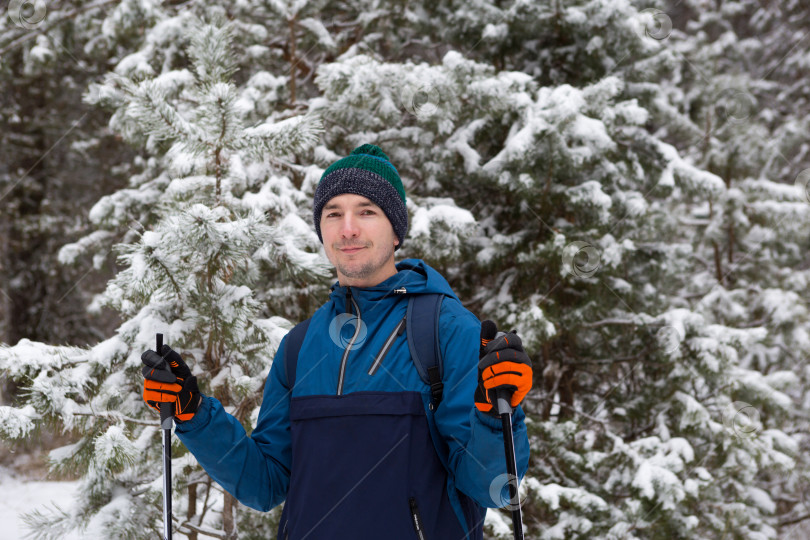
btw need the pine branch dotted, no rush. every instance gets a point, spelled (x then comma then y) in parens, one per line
(45, 28)
(580, 413)
(618, 322)
(608, 361)
(794, 520)
(203, 530)
(117, 416)
(52, 524)
(169, 275)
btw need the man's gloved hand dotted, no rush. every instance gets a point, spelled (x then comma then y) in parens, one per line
(503, 365)
(177, 386)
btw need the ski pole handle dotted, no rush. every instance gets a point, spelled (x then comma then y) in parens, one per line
(502, 396)
(503, 400)
(166, 409)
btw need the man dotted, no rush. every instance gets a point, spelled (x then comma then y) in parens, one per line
(356, 443)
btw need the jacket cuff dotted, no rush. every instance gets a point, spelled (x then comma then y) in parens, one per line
(200, 418)
(491, 422)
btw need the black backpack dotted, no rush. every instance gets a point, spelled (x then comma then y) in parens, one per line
(422, 328)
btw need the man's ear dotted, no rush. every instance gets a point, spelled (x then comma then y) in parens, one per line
(396, 241)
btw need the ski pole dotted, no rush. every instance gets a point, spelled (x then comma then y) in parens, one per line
(166, 416)
(158, 363)
(503, 400)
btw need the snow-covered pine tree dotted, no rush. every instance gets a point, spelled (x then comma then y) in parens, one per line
(223, 220)
(55, 156)
(550, 124)
(576, 137)
(741, 80)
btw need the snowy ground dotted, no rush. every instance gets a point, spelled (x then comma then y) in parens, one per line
(19, 494)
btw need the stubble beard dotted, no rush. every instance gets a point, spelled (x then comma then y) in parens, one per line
(369, 267)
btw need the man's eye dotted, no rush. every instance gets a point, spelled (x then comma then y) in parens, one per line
(332, 214)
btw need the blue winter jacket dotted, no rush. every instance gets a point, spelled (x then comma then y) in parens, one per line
(355, 449)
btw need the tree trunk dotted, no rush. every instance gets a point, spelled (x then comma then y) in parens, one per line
(192, 508)
(228, 517)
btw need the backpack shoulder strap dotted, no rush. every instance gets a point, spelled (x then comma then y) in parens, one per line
(422, 325)
(295, 339)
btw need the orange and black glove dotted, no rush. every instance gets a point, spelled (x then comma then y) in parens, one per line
(167, 379)
(503, 365)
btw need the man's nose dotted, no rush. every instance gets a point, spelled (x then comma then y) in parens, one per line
(349, 227)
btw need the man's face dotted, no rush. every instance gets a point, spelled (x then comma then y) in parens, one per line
(359, 240)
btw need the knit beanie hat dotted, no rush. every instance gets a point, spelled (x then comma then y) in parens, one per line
(367, 171)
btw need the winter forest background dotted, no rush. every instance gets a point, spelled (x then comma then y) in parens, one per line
(627, 184)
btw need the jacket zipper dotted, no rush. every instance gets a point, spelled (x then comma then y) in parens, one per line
(417, 520)
(349, 303)
(386, 347)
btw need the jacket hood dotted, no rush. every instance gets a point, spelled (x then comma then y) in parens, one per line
(414, 276)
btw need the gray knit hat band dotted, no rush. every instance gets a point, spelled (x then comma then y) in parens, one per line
(367, 184)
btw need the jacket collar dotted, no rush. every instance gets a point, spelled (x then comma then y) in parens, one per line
(413, 276)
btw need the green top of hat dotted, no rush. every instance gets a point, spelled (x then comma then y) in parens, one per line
(371, 158)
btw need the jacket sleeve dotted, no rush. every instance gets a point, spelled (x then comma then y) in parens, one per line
(255, 469)
(475, 440)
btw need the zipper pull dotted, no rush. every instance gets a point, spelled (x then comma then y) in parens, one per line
(348, 299)
(417, 520)
(401, 290)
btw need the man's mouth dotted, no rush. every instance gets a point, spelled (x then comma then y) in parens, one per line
(351, 249)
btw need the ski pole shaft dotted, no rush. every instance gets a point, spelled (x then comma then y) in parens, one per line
(166, 416)
(503, 404)
(503, 398)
